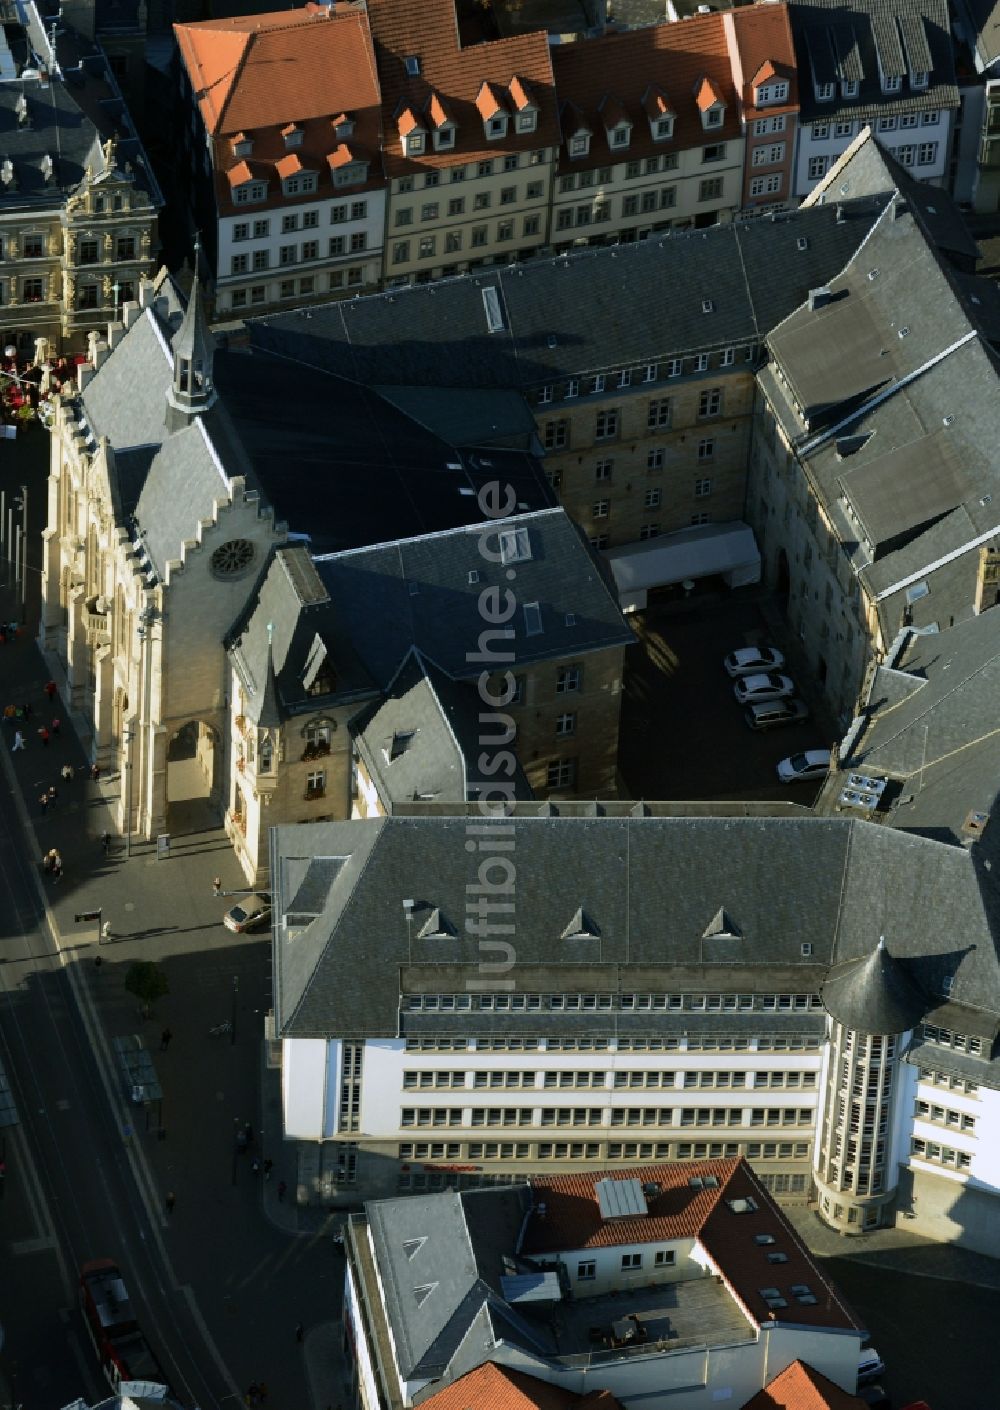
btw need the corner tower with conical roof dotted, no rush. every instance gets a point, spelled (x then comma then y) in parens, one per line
(870, 1002)
(192, 349)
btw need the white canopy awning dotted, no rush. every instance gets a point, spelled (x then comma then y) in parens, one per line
(728, 550)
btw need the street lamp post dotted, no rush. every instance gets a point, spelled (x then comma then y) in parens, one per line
(128, 738)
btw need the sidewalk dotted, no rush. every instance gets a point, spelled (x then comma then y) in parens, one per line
(231, 1237)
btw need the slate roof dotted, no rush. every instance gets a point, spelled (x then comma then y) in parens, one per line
(848, 39)
(643, 301)
(801, 1387)
(983, 23)
(763, 35)
(419, 590)
(874, 995)
(652, 885)
(931, 720)
(674, 57)
(867, 168)
(428, 34)
(381, 476)
(254, 75)
(68, 116)
(424, 738)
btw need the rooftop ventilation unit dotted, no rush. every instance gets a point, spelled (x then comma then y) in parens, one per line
(862, 792)
(819, 297)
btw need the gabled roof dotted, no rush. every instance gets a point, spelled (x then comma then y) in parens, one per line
(800, 1387)
(838, 40)
(707, 94)
(420, 51)
(643, 301)
(681, 59)
(762, 38)
(492, 1387)
(264, 71)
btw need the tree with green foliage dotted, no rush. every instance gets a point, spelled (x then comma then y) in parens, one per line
(148, 982)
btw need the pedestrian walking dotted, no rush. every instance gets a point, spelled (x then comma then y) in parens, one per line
(165, 1038)
(44, 801)
(106, 930)
(106, 841)
(18, 742)
(95, 772)
(170, 1201)
(282, 1187)
(67, 771)
(268, 1164)
(255, 1166)
(56, 725)
(300, 1333)
(53, 794)
(248, 1132)
(50, 690)
(43, 735)
(57, 868)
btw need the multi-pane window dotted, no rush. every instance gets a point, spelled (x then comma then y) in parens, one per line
(601, 509)
(655, 459)
(710, 402)
(927, 152)
(560, 773)
(603, 469)
(555, 434)
(710, 189)
(567, 679)
(653, 498)
(817, 167)
(658, 414)
(706, 449)
(606, 426)
(565, 725)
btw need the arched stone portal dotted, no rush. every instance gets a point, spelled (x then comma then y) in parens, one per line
(194, 787)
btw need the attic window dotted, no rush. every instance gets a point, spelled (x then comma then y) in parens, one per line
(663, 128)
(802, 243)
(532, 619)
(581, 927)
(806, 948)
(242, 145)
(916, 592)
(714, 116)
(423, 1292)
(436, 927)
(571, 619)
(473, 576)
(401, 741)
(515, 546)
(293, 136)
(317, 677)
(763, 1239)
(777, 1257)
(707, 306)
(411, 1247)
(746, 1205)
(412, 63)
(491, 306)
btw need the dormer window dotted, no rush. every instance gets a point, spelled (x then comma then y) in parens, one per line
(442, 124)
(292, 135)
(711, 104)
(242, 145)
(524, 105)
(663, 129)
(579, 145)
(776, 92)
(619, 136)
(300, 184)
(891, 83)
(659, 112)
(492, 111)
(850, 87)
(825, 92)
(343, 126)
(413, 144)
(348, 167)
(919, 80)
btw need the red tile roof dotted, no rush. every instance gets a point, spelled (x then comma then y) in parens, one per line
(425, 30)
(707, 94)
(260, 74)
(492, 1387)
(799, 1387)
(763, 36)
(679, 1210)
(490, 101)
(675, 58)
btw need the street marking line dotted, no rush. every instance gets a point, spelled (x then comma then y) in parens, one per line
(187, 1292)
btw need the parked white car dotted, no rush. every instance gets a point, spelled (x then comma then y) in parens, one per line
(811, 763)
(750, 690)
(870, 1366)
(750, 659)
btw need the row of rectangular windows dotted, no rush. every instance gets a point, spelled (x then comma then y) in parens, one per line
(478, 170)
(644, 375)
(947, 1079)
(960, 1042)
(306, 220)
(481, 201)
(945, 1116)
(454, 240)
(289, 255)
(597, 1150)
(820, 131)
(556, 434)
(601, 1116)
(688, 1003)
(777, 1183)
(940, 1155)
(352, 278)
(599, 1079)
(912, 154)
(784, 1043)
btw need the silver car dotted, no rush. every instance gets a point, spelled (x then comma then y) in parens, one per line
(752, 690)
(749, 660)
